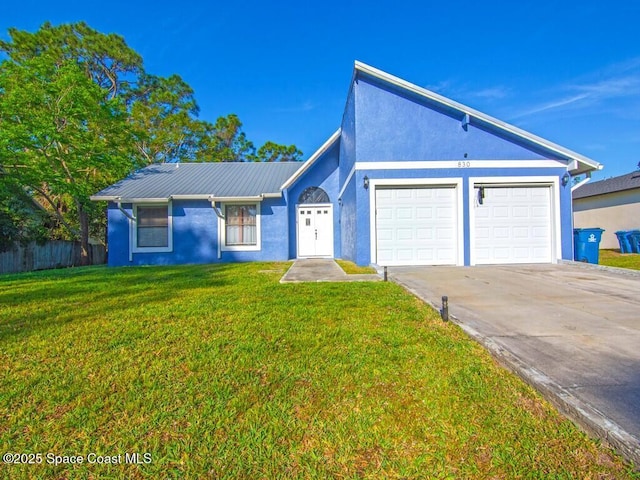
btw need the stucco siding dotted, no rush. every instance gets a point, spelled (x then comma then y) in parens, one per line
(392, 125)
(348, 244)
(117, 236)
(195, 236)
(348, 138)
(612, 212)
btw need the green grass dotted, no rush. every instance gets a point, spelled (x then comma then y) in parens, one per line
(222, 372)
(613, 258)
(351, 268)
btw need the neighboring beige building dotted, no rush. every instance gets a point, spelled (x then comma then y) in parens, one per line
(612, 204)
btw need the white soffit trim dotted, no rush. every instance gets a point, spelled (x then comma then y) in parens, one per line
(235, 199)
(374, 72)
(346, 182)
(192, 197)
(460, 164)
(306, 165)
(580, 183)
(142, 200)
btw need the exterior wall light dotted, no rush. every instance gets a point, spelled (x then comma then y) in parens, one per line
(565, 179)
(366, 182)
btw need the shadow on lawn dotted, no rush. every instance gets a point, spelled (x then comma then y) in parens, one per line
(49, 298)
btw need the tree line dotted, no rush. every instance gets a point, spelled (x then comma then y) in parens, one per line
(78, 112)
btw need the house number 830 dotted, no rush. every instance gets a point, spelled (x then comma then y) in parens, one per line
(466, 164)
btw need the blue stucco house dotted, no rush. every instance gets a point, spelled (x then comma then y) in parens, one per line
(409, 178)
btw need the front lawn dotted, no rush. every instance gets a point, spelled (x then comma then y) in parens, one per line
(613, 258)
(222, 372)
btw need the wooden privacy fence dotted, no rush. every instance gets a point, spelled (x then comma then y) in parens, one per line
(53, 254)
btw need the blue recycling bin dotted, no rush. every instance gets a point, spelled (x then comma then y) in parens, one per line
(586, 244)
(634, 240)
(624, 241)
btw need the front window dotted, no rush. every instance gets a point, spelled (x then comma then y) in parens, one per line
(152, 228)
(241, 225)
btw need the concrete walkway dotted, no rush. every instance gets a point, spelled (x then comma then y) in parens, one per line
(572, 331)
(322, 270)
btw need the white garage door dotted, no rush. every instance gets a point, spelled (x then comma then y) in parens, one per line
(512, 225)
(416, 226)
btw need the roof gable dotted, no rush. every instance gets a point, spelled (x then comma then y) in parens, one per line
(201, 180)
(312, 159)
(467, 115)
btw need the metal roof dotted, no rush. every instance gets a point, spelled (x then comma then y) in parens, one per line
(583, 164)
(628, 181)
(201, 180)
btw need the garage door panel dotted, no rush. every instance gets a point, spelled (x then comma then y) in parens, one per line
(513, 225)
(423, 221)
(521, 212)
(405, 254)
(404, 234)
(540, 232)
(540, 212)
(385, 213)
(424, 234)
(425, 255)
(521, 232)
(445, 213)
(385, 234)
(445, 234)
(383, 194)
(405, 194)
(424, 212)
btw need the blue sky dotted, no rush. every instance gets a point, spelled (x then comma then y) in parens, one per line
(566, 70)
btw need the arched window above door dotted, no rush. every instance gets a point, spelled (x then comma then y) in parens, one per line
(313, 195)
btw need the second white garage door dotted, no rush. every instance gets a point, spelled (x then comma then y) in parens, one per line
(416, 226)
(512, 225)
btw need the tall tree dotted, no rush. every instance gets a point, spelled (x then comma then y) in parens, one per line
(62, 137)
(225, 141)
(164, 111)
(274, 152)
(78, 112)
(105, 58)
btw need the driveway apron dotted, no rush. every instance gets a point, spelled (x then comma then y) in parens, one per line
(571, 330)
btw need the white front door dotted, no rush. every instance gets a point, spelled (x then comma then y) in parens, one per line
(315, 230)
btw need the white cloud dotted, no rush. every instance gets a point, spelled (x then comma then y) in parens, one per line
(552, 105)
(493, 93)
(621, 81)
(303, 107)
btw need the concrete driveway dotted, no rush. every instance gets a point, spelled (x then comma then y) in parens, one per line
(571, 330)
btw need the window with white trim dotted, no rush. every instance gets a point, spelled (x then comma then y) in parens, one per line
(241, 230)
(152, 228)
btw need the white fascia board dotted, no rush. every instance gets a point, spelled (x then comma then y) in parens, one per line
(103, 198)
(257, 198)
(202, 196)
(580, 183)
(215, 198)
(306, 165)
(374, 72)
(346, 182)
(458, 164)
(141, 200)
